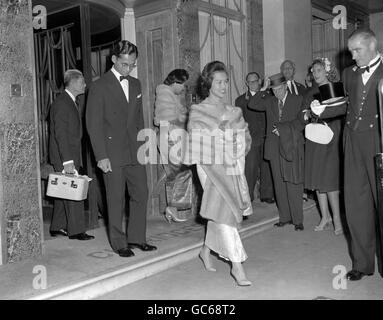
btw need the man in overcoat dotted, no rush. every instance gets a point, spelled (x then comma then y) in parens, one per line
(283, 147)
(255, 166)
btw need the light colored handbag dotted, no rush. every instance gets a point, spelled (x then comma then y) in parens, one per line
(319, 132)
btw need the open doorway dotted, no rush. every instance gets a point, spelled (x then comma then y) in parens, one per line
(79, 35)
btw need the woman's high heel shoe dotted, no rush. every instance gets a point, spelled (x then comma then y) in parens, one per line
(323, 226)
(207, 264)
(171, 213)
(338, 231)
(243, 282)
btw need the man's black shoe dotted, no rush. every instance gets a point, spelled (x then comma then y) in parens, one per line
(355, 275)
(61, 232)
(299, 227)
(142, 246)
(81, 236)
(282, 224)
(268, 200)
(125, 252)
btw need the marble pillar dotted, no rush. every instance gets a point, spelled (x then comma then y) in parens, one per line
(128, 31)
(188, 42)
(376, 25)
(20, 192)
(287, 35)
(255, 46)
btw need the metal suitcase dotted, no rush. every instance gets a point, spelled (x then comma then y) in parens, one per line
(67, 186)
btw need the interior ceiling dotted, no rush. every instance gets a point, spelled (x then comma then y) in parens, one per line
(371, 6)
(102, 18)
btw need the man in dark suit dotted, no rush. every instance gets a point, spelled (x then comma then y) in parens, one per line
(65, 154)
(114, 117)
(255, 165)
(361, 143)
(283, 147)
(288, 71)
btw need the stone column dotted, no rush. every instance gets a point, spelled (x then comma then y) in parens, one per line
(187, 40)
(255, 45)
(287, 35)
(128, 31)
(20, 191)
(298, 35)
(376, 24)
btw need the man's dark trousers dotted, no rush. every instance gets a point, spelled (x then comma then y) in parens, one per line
(360, 184)
(258, 168)
(288, 196)
(132, 177)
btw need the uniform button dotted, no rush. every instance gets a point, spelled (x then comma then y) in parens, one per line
(371, 125)
(360, 118)
(376, 116)
(348, 122)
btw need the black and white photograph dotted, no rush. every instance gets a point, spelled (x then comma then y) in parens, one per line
(190, 157)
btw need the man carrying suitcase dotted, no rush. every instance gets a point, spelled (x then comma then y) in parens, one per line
(65, 154)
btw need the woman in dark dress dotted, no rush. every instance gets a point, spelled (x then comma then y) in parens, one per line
(322, 161)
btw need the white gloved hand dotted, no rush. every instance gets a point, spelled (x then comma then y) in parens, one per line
(317, 108)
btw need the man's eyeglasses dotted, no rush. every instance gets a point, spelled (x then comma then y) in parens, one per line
(127, 65)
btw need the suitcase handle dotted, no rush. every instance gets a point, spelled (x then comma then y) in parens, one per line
(71, 174)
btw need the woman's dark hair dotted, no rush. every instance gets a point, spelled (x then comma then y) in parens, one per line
(206, 78)
(177, 76)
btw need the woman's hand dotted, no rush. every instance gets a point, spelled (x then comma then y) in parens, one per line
(316, 107)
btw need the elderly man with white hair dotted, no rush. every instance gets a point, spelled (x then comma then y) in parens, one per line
(288, 71)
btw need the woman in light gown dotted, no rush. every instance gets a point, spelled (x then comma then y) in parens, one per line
(226, 196)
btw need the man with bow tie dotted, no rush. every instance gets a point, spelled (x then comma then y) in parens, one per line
(114, 117)
(361, 143)
(288, 71)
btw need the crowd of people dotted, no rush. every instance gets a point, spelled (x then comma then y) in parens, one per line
(268, 122)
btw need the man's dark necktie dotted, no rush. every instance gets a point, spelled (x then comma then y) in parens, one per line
(280, 108)
(364, 69)
(77, 102)
(123, 77)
